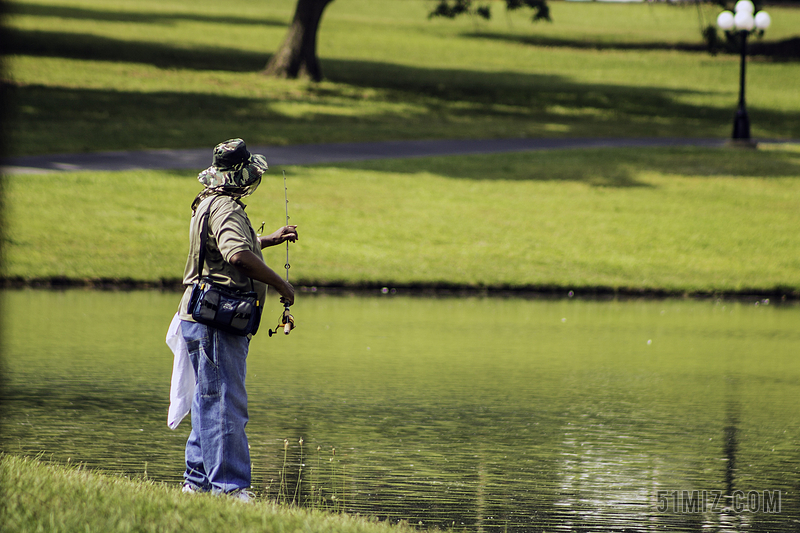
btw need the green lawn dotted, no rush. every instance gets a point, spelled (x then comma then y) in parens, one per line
(42, 497)
(94, 75)
(678, 219)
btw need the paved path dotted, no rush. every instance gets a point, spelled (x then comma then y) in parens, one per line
(306, 154)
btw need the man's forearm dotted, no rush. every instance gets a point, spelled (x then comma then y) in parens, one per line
(266, 241)
(251, 266)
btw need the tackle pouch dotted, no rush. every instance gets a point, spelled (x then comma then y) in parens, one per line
(221, 307)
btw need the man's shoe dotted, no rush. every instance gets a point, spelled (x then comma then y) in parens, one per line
(242, 495)
(188, 488)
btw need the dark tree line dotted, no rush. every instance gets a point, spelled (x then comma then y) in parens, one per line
(454, 8)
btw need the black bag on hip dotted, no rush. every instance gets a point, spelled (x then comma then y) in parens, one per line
(224, 308)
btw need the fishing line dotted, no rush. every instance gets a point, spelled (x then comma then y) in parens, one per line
(286, 320)
(287, 266)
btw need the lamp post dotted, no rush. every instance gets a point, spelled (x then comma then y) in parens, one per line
(745, 23)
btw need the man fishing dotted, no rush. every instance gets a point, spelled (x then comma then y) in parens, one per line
(217, 452)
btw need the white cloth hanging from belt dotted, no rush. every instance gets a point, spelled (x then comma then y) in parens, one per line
(181, 389)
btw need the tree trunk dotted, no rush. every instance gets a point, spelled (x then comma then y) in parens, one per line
(297, 55)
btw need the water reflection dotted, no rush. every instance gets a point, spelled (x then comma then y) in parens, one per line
(483, 414)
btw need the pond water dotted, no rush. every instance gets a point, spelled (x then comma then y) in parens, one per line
(483, 414)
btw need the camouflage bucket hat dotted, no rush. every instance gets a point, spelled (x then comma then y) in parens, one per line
(234, 169)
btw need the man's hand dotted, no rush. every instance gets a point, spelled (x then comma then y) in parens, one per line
(287, 294)
(279, 236)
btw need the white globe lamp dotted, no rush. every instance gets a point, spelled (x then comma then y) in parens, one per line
(745, 5)
(743, 20)
(763, 20)
(725, 21)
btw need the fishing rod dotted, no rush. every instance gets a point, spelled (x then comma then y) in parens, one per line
(286, 320)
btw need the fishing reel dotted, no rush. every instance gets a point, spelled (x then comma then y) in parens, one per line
(286, 321)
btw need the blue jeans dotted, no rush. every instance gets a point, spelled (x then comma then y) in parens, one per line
(217, 454)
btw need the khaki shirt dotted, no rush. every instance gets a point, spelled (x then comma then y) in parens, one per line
(229, 232)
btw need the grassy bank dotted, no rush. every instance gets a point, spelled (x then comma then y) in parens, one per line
(88, 75)
(659, 219)
(46, 497)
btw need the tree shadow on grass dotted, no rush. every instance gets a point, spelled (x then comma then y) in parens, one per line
(520, 93)
(648, 111)
(531, 91)
(91, 120)
(786, 50)
(441, 98)
(102, 119)
(583, 44)
(69, 12)
(606, 167)
(96, 48)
